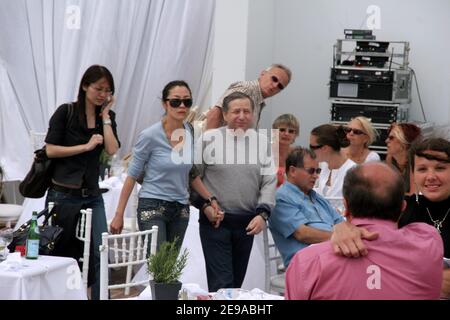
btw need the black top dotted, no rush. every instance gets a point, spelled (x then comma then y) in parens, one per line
(417, 212)
(81, 169)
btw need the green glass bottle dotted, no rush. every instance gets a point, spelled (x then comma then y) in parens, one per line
(32, 246)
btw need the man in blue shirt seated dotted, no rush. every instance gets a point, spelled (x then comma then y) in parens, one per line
(301, 216)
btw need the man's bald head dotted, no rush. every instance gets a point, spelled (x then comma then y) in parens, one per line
(374, 190)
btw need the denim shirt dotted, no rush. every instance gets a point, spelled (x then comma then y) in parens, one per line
(294, 208)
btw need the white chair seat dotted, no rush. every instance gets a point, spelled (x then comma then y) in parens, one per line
(10, 213)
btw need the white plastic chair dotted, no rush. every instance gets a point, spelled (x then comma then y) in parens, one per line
(135, 254)
(83, 233)
(273, 261)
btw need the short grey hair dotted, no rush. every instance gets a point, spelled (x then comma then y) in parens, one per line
(282, 67)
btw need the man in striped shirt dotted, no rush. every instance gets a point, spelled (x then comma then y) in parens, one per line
(270, 82)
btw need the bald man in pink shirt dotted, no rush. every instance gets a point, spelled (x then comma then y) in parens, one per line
(402, 263)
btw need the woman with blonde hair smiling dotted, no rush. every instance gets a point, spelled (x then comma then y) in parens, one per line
(361, 135)
(288, 130)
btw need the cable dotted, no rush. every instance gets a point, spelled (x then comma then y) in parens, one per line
(418, 94)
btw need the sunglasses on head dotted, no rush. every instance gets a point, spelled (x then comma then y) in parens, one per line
(288, 130)
(276, 80)
(355, 131)
(175, 103)
(315, 147)
(311, 171)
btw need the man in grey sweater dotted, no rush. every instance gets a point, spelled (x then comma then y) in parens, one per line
(237, 168)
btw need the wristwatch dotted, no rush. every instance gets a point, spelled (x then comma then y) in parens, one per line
(264, 215)
(210, 200)
(107, 122)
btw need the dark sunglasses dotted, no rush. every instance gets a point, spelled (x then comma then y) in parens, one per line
(311, 171)
(355, 131)
(315, 147)
(175, 103)
(288, 130)
(390, 138)
(276, 80)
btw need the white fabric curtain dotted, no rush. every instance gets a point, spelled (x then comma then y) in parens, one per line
(46, 45)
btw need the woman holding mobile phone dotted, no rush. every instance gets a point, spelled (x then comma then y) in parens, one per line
(77, 134)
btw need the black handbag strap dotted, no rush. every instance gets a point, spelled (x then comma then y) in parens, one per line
(40, 214)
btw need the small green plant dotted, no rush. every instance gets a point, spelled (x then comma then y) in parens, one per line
(104, 158)
(166, 265)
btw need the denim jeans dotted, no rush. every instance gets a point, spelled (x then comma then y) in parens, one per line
(99, 225)
(171, 217)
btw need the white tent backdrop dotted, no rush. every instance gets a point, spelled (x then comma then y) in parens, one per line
(46, 45)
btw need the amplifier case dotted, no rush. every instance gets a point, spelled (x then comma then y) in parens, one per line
(371, 85)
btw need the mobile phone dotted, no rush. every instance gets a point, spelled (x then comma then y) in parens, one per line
(446, 263)
(105, 103)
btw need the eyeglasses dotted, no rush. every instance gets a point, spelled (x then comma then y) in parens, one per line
(291, 131)
(276, 80)
(315, 147)
(175, 103)
(107, 91)
(355, 131)
(311, 171)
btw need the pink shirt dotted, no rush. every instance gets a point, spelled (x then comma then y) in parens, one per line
(402, 263)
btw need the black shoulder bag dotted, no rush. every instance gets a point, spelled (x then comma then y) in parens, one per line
(38, 179)
(49, 235)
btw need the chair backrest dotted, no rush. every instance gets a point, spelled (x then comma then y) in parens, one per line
(272, 258)
(83, 233)
(37, 139)
(123, 256)
(337, 203)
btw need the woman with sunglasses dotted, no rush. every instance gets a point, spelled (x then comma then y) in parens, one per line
(327, 141)
(399, 140)
(288, 130)
(164, 152)
(361, 135)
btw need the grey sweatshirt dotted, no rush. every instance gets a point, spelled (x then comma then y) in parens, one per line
(239, 171)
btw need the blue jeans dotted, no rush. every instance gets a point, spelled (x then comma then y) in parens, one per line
(171, 217)
(99, 225)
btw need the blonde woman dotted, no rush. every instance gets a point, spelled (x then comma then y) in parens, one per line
(289, 128)
(399, 140)
(361, 135)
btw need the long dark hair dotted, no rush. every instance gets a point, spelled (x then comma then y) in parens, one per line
(91, 75)
(333, 136)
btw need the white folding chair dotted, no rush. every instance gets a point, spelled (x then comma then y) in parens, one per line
(135, 254)
(83, 233)
(275, 272)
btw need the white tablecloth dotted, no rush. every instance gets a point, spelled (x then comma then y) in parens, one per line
(47, 278)
(195, 271)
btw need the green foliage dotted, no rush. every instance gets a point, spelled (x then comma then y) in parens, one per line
(105, 158)
(167, 264)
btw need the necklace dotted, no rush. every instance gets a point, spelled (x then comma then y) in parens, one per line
(438, 223)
